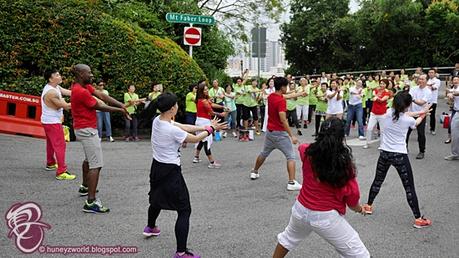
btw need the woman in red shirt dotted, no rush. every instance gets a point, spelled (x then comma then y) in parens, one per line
(378, 109)
(204, 114)
(329, 184)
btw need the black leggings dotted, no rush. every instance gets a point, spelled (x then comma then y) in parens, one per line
(402, 165)
(182, 225)
(206, 150)
(318, 119)
(311, 110)
(291, 114)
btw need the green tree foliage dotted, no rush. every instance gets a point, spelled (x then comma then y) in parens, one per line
(381, 34)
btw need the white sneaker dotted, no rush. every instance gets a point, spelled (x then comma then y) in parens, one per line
(452, 157)
(294, 187)
(224, 135)
(254, 175)
(111, 139)
(362, 138)
(433, 132)
(214, 165)
(196, 160)
(365, 146)
(234, 135)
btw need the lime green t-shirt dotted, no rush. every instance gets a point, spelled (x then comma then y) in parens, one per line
(371, 86)
(345, 89)
(304, 101)
(190, 105)
(291, 104)
(239, 90)
(252, 98)
(127, 96)
(321, 105)
(214, 93)
(244, 95)
(313, 96)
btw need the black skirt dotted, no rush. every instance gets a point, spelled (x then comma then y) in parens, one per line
(168, 190)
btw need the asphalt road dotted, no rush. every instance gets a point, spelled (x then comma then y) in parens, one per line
(232, 215)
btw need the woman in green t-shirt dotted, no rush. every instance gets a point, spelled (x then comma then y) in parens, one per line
(131, 101)
(321, 107)
(190, 105)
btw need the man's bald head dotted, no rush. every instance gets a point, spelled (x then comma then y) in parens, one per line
(82, 73)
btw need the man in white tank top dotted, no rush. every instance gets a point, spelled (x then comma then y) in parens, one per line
(52, 105)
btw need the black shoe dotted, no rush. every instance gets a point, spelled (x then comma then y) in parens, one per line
(314, 135)
(420, 155)
(305, 125)
(300, 133)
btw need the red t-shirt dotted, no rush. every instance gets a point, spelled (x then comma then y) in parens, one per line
(203, 109)
(380, 107)
(319, 196)
(276, 104)
(83, 111)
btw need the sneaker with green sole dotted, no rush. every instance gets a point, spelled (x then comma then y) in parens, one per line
(95, 207)
(51, 167)
(65, 176)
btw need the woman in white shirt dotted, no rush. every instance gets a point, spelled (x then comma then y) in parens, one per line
(397, 121)
(168, 190)
(335, 101)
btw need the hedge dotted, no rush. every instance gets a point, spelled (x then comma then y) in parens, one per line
(38, 35)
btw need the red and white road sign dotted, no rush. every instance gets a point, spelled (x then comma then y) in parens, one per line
(192, 36)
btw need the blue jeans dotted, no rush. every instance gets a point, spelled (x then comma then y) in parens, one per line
(104, 118)
(352, 111)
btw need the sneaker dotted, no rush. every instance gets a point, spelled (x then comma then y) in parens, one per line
(148, 232)
(224, 135)
(254, 175)
(214, 165)
(65, 176)
(51, 167)
(367, 209)
(95, 207)
(294, 187)
(110, 139)
(187, 254)
(433, 132)
(83, 190)
(234, 134)
(305, 125)
(448, 141)
(258, 133)
(422, 222)
(365, 146)
(362, 138)
(314, 135)
(300, 133)
(196, 160)
(452, 157)
(420, 155)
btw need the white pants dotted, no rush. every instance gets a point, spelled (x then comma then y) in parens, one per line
(374, 119)
(327, 224)
(302, 109)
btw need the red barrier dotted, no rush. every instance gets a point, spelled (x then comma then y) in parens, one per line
(20, 114)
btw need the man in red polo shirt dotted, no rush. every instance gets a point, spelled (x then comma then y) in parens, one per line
(279, 136)
(84, 107)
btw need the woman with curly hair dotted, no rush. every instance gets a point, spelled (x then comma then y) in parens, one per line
(329, 185)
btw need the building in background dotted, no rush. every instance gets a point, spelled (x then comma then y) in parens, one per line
(273, 64)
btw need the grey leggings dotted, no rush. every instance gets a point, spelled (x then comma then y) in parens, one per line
(402, 164)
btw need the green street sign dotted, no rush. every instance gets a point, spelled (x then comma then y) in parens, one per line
(190, 18)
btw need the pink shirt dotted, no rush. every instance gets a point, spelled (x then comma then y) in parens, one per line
(319, 196)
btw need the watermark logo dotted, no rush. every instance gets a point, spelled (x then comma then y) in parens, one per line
(23, 220)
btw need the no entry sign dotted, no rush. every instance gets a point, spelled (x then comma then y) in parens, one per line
(192, 36)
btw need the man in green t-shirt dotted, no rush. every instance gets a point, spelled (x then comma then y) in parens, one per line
(250, 108)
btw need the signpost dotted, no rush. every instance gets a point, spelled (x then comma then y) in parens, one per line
(191, 35)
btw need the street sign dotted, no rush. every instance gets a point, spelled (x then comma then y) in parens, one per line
(192, 36)
(259, 42)
(190, 18)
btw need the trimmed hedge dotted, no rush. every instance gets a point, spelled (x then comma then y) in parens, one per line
(37, 35)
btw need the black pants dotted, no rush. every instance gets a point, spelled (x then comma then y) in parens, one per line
(451, 119)
(312, 108)
(402, 164)
(238, 115)
(432, 116)
(206, 150)
(318, 120)
(182, 225)
(130, 128)
(367, 111)
(291, 115)
(421, 128)
(262, 115)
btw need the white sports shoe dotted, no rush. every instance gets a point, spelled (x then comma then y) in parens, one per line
(362, 138)
(196, 160)
(224, 135)
(254, 175)
(214, 165)
(294, 187)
